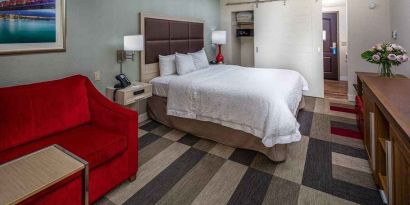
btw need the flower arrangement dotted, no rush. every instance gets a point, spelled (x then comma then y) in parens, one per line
(386, 55)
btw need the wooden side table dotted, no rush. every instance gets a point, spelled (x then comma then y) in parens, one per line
(130, 96)
(26, 176)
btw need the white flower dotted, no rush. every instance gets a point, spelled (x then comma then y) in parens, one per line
(379, 48)
(389, 49)
(395, 46)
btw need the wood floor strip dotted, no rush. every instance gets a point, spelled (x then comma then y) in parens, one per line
(148, 171)
(186, 190)
(222, 185)
(252, 188)
(161, 184)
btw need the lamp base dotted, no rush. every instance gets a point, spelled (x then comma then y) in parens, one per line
(219, 57)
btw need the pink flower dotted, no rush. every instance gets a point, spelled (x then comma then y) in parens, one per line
(376, 58)
(405, 58)
(392, 57)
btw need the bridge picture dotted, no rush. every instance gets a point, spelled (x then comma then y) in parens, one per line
(27, 21)
(10, 5)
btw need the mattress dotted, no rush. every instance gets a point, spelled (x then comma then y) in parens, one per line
(160, 85)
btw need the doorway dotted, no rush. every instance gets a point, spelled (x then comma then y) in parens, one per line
(335, 47)
(330, 46)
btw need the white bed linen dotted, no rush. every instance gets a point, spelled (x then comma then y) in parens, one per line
(160, 85)
(262, 102)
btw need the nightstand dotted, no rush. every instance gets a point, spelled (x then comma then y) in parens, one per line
(130, 96)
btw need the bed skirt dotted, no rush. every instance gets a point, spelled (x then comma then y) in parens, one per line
(157, 110)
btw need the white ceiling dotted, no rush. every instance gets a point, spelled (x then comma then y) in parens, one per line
(332, 3)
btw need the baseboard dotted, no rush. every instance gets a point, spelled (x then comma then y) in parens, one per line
(143, 117)
(343, 78)
(351, 97)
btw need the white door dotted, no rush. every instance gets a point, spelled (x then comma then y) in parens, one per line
(290, 37)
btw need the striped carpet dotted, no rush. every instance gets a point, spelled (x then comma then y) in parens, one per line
(324, 168)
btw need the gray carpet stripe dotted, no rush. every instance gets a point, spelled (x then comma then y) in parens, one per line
(282, 191)
(161, 184)
(252, 188)
(243, 156)
(146, 140)
(186, 190)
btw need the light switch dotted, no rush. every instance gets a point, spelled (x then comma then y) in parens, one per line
(97, 75)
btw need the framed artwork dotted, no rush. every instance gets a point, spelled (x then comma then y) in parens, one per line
(32, 26)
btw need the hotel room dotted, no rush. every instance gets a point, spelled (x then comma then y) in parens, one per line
(204, 102)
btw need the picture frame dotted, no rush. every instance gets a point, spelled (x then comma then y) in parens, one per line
(32, 26)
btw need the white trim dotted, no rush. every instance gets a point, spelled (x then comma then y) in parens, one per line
(143, 117)
(343, 78)
(351, 97)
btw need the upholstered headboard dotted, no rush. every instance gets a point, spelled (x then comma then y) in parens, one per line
(165, 36)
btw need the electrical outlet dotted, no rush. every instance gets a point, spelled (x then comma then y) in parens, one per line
(97, 75)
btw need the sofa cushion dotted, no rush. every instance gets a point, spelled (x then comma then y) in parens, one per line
(94, 144)
(29, 112)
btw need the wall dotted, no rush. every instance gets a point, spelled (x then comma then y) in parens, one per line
(94, 32)
(342, 38)
(365, 28)
(400, 21)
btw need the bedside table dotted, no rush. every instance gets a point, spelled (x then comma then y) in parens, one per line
(130, 96)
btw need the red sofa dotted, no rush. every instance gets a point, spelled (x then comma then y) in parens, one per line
(72, 113)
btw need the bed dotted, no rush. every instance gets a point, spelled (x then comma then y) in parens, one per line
(247, 108)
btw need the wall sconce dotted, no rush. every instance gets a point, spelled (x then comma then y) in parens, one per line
(372, 5)
(131, 45)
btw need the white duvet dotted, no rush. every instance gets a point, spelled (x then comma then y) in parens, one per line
(262, 102)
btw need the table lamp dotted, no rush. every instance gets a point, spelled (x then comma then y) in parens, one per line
(219, 38)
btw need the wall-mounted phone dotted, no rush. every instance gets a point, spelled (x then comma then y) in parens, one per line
(123, 81)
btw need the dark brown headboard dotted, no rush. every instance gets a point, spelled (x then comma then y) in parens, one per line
(165, 36)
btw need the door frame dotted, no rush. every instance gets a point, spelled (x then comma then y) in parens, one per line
(338, 39)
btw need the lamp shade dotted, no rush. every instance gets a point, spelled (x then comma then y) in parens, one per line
(134, 43)
(219, 37)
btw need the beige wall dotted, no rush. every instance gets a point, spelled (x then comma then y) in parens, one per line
(400, 21)
(365, 28)
(342, 38)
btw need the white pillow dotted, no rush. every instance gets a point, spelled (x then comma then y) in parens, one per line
(167, 65)
(200, 59)
(184, 63)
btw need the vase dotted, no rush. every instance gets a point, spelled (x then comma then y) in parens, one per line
(385, 70)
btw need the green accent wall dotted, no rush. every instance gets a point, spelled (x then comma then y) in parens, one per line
(95, 29)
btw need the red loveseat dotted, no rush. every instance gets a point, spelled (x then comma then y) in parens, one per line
(73, 114)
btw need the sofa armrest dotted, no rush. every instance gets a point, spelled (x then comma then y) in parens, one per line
(109, 115)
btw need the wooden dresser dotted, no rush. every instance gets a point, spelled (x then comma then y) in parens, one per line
(387, 133)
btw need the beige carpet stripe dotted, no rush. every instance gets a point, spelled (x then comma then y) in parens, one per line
(222, 151)
(281, 191)
(350, 162)
(186, 190)
(148, 171)
(292, 169)
(309, 196)
(174, 135)
(352, 176)
(141, 133)
(221, 187)
(151, 150)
